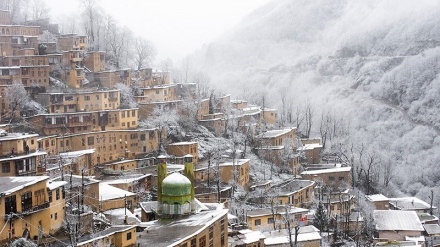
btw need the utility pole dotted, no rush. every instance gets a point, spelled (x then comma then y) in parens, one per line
(10, 227)
(125, 209)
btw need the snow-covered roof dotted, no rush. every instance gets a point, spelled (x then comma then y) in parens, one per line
(148, 206)
(331, 170)
(399, 244)
(397, 220)
(410, 203)
(172, 232)
(294, 186)
(16, 136)
(270, 148)
(9, 185)
(75, 154)
(90, 238)
(19, 157)
(310, 146)
(117, 216)
(238, 101)
(238, 162)
(377, 198)
(278, 210)
(181, 143)
(248, 236)
(51, 185)
(274, 133)
(305, 233)
(432, 229)
(126, 180)
(108, 192)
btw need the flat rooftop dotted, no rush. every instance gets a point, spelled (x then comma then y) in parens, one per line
(274, 133)
(323, 171)
(170, 232)
(295, 185)
(16, 136)
(9, 185)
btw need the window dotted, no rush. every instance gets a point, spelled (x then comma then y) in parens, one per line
(97, 97)
(10, 204)
(68, 98)
(193, 242)
(128, 235)
(83, 142)
(57, 194)
(6, 168)
(86, 98)
(211, 236)
(50, 196)
(270, 220)
(133, 113)
(56, 216)
(258, 222)
(26, 201)
(123, 114)
(90, 140)
(202, 241)
(142, 137)
(39, 197)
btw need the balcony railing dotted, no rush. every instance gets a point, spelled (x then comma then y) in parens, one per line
(27, 211)
(36, 208)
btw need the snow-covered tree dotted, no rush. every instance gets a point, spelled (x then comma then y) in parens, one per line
(127, 96)
(22, 242)
(19, 102)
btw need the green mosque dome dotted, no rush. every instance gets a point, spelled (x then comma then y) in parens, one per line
(176, 185)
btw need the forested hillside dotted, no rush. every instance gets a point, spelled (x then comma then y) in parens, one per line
(366, 71)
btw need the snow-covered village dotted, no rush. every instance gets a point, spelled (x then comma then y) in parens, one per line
(103, 145)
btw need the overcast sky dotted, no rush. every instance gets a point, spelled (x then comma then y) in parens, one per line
(176, 27)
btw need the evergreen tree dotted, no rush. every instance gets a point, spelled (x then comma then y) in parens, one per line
(320, 218)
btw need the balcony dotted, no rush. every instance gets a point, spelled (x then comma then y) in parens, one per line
(76, 124)
(27, 212)
(36, 208)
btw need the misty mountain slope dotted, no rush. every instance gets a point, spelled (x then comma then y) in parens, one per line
(373, 62)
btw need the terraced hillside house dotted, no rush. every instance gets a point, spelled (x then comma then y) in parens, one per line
(32, 206)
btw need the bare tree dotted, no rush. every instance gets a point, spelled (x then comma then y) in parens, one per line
(91, 20)
(309, 113)
(119, 43)
(143, 52)
(325, 127)
(40, 10)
